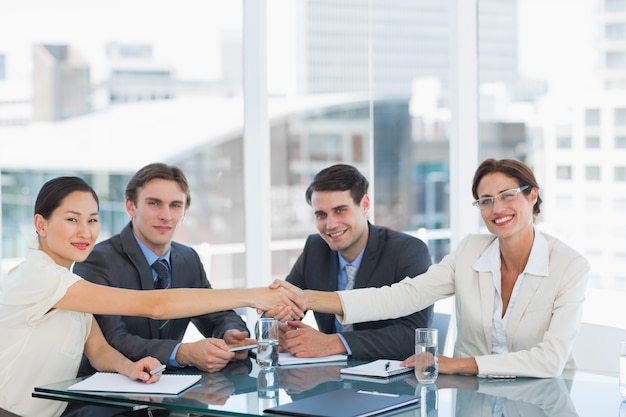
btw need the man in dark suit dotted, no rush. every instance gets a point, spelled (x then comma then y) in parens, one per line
(157, 198)
(378, 256)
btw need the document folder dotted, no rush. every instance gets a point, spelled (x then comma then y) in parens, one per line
(344, 403)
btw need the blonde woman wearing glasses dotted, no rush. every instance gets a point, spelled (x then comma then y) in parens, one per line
(518, 292)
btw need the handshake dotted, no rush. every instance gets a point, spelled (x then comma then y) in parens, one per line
(284, 302)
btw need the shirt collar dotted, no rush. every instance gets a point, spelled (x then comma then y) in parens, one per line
(356, 263)
(150, 256)
(537, 264)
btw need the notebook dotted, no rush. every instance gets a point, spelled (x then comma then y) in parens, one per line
(381, 368)
(376, 379)
(113, 382)
(344, 403)
(287, 359)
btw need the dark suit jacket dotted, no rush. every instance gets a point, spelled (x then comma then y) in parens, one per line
(119, 262)
(389, 257)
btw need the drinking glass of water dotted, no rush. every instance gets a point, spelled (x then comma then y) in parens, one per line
(426, 362)
(267, 343)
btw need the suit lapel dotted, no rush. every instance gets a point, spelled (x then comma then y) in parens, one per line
(144, 271)
(135, 255)
(369, 260)
(526, 293)
(327, 281)
(174, 263)
(487, 295)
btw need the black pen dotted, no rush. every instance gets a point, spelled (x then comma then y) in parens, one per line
(387, 365)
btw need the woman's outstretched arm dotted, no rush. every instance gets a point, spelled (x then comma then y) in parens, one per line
(88, 297)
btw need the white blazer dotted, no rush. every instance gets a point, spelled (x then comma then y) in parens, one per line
(542, 326)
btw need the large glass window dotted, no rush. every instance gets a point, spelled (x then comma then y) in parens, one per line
(365, 82)
(592, 117)
(97, 90)
(592, 173)
(571, 102)
(381, 71)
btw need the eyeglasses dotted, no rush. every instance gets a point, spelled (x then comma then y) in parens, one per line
(505, 196)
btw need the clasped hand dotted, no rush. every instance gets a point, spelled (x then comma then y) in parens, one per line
(294, 309)
(303, 341)
(291, 304)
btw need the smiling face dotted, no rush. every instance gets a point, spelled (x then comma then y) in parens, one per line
(69, 233)
(341, 222)
(160, 208)
(505, 219)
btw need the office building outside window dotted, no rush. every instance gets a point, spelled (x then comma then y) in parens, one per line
(361, 82)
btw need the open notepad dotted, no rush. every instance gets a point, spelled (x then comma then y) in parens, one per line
(111, 382)
(381, 368)
(287, 359)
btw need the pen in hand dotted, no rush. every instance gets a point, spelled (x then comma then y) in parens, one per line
(158, 369)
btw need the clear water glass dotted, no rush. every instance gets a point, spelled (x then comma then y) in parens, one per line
(267, 343)
(426, 361)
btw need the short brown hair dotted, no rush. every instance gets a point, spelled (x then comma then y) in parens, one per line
(153, 171)
(512, 168)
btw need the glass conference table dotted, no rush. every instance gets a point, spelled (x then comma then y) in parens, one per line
(234, 392)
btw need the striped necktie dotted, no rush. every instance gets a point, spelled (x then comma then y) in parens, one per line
(351, 273)
(163, 279)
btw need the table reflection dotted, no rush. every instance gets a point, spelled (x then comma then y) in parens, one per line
(518, 397)
(242, 389)
(217, 387)
(471, 395)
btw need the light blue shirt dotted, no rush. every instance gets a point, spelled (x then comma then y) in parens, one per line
(342, 281)
(152, 257)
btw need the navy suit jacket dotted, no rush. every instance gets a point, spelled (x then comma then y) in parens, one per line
(389, 257)
(119, 262)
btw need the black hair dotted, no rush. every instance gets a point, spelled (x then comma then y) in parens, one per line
(340, 177)
(53, 192)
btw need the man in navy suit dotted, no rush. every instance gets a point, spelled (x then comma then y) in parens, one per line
(348, 242)
(157, 198)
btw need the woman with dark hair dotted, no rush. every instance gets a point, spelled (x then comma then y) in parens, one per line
(44, 308)
(518, 292)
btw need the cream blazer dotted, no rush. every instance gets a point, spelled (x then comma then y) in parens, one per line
(522, 397)
(542, 326)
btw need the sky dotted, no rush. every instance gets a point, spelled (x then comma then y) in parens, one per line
(183, 32)
(90, 24)
(555, 42)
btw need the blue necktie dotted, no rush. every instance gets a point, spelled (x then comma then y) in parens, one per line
(162, 280)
